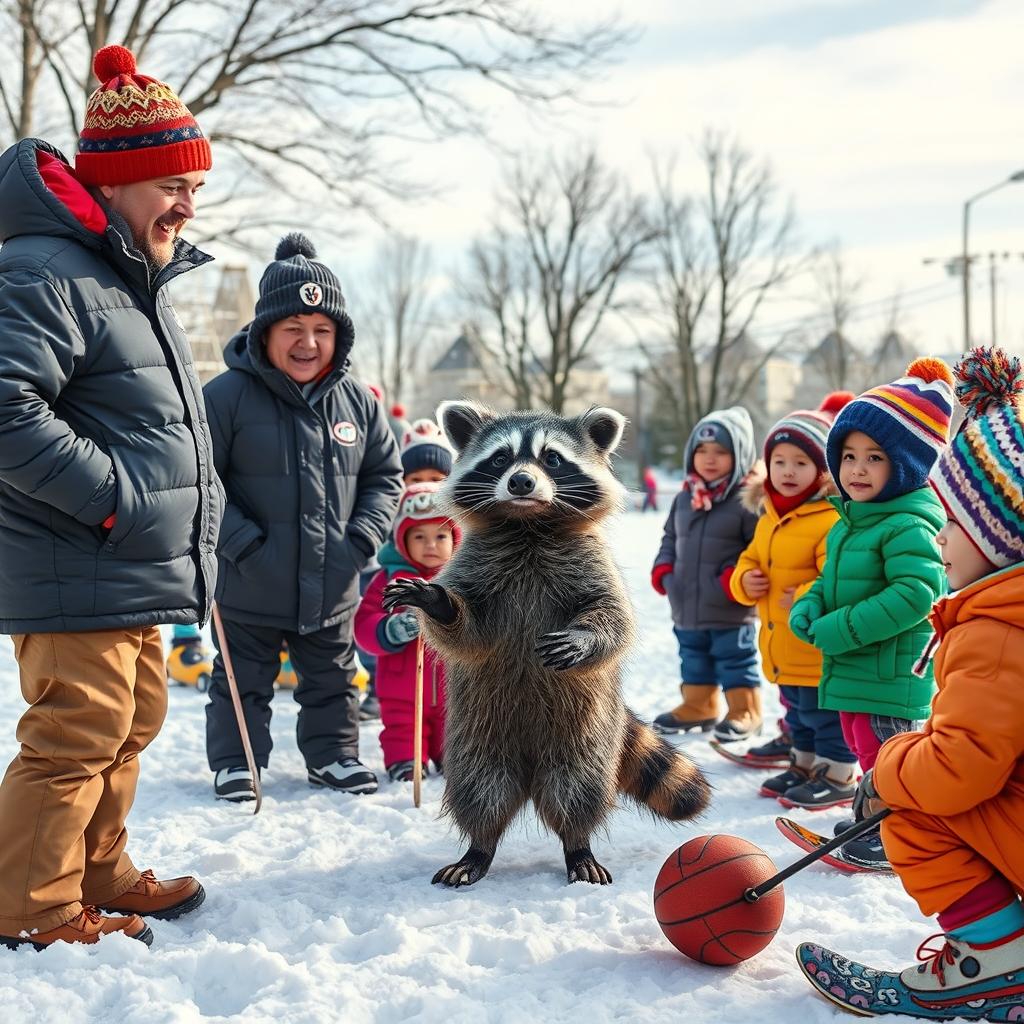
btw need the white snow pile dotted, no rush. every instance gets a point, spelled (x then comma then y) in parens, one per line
(321, 908)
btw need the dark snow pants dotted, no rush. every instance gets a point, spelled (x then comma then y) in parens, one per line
(328, 722)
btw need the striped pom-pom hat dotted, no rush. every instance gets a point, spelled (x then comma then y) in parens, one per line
(980, 476)
(808, 428)
(908, 419)
(136, 128)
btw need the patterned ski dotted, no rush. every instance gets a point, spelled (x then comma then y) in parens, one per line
(810, 841)
(744, 760)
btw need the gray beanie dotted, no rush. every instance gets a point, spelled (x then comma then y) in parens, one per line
(295, 284)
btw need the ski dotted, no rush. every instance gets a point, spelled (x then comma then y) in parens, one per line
(745, 760)
(810, 841)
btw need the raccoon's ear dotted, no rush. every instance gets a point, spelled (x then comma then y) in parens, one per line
(462, 420)
(604, 427)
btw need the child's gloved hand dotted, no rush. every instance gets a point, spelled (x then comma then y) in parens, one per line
(866, 801)
(402, 627)
(658, 574)
(800, 623)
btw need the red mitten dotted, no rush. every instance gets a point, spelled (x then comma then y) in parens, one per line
(726, 579)
(658, 574)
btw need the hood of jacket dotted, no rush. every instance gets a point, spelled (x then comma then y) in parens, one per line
(998, 596)
(246, 353)
(921, 502)
(737, 424)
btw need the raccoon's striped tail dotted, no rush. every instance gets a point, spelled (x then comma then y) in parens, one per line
(656, 775)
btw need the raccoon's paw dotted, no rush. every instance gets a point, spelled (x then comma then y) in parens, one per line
(470, 869)
(582, 866)
(565, 648)
(411, 593)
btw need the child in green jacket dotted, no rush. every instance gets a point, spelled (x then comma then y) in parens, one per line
(868, 611)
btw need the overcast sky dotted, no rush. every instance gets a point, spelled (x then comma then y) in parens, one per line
(879, 117)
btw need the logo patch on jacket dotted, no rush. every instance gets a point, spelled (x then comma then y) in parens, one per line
(345, 433)
(311, 294)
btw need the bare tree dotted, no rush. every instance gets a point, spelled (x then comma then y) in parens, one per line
(835, 360)
(304, 99)
(720, 258)
(397, 314)
(550, 276)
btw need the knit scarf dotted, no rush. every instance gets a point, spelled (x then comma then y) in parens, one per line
(703, 494)
(784, 504)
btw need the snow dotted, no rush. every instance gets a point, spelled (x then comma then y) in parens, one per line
(320, 909)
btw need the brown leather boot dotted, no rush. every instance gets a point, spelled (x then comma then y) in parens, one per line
(743, 718)
(88, 927)
(699, 710)
(162, 900)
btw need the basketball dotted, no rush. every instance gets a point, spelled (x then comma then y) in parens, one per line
(698, 900)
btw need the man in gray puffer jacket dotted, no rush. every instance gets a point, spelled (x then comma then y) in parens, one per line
(109, 502)
(313, 481)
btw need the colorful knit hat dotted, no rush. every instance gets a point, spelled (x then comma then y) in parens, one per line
(295, 284)
(980, 476)
(908, 419)
(808, 428)
(136, 128)
(424, 446)
(418, 507)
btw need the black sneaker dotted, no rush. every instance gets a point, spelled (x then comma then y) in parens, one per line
(843, 825)
(349, 775)
(819, 792)
(777, 785)
(776, 749)
(866, 851)
(234, 784)
(402, 771)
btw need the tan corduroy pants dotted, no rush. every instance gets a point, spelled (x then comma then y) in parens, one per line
(95, 701)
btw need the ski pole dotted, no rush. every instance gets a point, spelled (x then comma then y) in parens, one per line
(236, 700)
(417, 739)
(753, 894)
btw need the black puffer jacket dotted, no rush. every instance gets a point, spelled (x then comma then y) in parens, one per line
(100, 413)
(314, 479)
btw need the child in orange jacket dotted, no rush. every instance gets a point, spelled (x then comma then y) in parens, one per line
(955, 835)
(779, 565)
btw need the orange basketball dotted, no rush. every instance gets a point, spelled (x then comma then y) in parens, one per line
(699, 903)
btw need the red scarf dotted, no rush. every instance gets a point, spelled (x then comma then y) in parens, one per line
(783, 504)
(703, 494)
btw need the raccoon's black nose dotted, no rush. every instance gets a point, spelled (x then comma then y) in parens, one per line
(521, 484)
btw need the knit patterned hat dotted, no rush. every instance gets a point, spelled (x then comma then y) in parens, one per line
(980, 476)
(908, 419)
(424, 446)
(418, 507)
(808, 429)
(295, 284)
(136, 128)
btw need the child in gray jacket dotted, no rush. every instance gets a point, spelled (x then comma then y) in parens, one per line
(706, 531)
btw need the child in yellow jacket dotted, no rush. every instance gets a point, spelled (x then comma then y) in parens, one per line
(780, 564)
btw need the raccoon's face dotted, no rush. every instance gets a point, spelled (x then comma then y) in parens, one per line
(531, 466)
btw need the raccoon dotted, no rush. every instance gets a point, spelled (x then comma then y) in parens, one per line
(533, 621)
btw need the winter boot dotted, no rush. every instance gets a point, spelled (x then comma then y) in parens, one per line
(744, 716)
(843, 825)
(866, 851)
(287, 679)
(234, 784)
(831, 784)
(953, 980)
(349, 775)
(699, 710)
(798, 772)
(189, 663)
(401, 771)
(165, 900)
(776, 749)
(88, 927)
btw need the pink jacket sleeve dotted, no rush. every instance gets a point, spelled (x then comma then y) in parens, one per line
(370, 614)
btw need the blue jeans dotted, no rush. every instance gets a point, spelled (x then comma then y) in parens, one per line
(727, 657)
(815, 730)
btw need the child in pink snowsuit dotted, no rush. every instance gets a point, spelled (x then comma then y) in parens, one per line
(424, 541)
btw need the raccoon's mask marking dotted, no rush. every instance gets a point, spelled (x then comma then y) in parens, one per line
(531, 465)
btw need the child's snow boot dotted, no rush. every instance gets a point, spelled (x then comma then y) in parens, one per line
(349, 775)
(775, 749)
(744, 716)
(831, 784)
(954, 980)
(699, 710)
(799, 771)
(286, 676)
(189, 663)
(87, 927)
(866, 851)
(234, 784)
(402, 771)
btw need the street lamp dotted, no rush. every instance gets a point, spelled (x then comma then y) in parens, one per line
(1018, 176)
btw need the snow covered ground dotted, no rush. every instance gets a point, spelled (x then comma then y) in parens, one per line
(320, 909)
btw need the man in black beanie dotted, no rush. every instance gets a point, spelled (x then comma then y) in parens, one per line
(313, 480)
